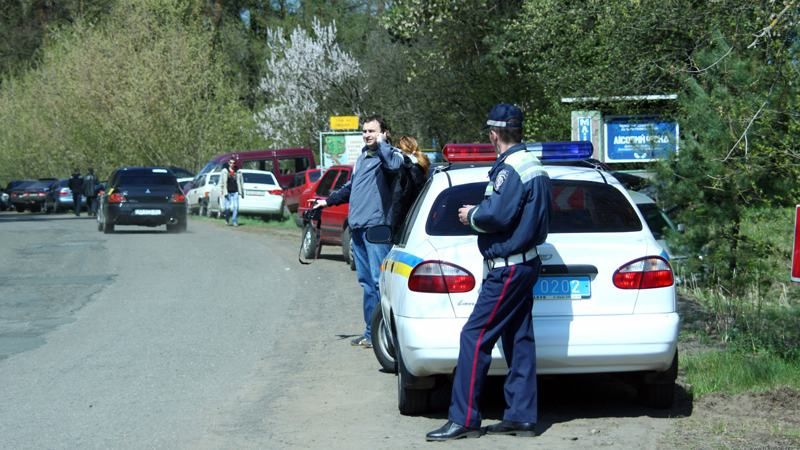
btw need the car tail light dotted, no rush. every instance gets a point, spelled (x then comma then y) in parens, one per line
(645, 273)
(40, 194)
(64, 192)
(178, 198)
(440, 277)
(276, 192)
(116, 197)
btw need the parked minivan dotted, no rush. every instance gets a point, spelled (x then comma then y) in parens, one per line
(284, 162)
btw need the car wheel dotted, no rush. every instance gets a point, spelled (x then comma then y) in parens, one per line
(347, 254)
(382, 343)
(176, 228)
(310, 242)
(409, 401)
(657, 390)
(108, 228)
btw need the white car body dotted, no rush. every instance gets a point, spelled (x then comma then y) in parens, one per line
(263, 195)
(613, 330)
(197, 199)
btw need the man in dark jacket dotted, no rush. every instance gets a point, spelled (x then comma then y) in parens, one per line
(76, 186)
(369, 193)
(90, 192)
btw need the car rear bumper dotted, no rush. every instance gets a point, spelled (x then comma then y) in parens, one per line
(261, 205)
(564, 345)
(125, 214)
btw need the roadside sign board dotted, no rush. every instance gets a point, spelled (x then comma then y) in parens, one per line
(338, 123)
(584, 128)
(339, 148)
(796, 246)
(639, 139)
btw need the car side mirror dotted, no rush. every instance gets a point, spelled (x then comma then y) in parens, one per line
(379, 234)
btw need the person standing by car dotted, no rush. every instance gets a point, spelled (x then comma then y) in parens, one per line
(413, 174)
(369, 192)
(90, 192)
(510, 222)
(75, 185)
(231, 184)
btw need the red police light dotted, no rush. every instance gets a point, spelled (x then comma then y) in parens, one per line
(796, 247)
(455, 153)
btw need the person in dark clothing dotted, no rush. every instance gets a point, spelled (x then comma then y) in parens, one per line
(76, 186)
(511, 221)
(90, 192)
(412, 176)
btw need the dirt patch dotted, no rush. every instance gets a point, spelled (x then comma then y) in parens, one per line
(750, 420)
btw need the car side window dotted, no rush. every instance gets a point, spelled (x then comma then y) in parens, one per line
(324, 186)
(344, 176)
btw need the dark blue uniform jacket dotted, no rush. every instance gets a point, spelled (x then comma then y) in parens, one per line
(515, 212)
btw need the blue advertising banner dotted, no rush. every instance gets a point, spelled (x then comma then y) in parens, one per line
(639, 139)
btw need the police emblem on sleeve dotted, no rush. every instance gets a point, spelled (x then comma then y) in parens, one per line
(501, 178)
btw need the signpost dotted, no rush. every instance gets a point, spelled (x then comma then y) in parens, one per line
(796, 247)
(584, 128)
(639, 139)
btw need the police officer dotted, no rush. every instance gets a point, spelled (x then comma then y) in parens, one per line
(510, 222)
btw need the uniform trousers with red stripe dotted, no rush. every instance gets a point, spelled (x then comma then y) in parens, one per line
(503, 310)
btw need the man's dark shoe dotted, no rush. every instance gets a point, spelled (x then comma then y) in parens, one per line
(360, 340)
(525, 429)
(452, 430)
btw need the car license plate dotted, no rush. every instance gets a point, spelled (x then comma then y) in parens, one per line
(254, 192)
(146, 212)
(562, 288)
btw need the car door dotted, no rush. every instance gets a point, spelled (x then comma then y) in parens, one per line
(334, 217)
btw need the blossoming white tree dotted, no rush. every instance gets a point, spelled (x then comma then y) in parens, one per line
(308, 78)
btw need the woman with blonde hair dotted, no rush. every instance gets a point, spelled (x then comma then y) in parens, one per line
(412, 177)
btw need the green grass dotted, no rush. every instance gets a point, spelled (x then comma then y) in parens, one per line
(734, 372)
(256, 222)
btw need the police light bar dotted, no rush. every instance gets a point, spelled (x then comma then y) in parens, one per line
(469, 153)
(796, 247)
(561, 151)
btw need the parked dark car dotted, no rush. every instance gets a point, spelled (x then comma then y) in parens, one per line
(59, 198)
(146, 196)
(29, 195)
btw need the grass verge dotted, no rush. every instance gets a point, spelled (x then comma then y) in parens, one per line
(735, 372)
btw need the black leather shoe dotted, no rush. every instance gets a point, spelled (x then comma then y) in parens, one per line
(452, 430)
(526, 429)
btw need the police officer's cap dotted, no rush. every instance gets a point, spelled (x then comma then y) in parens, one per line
(505, 115)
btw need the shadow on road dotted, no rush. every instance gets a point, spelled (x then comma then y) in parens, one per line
(565, 398)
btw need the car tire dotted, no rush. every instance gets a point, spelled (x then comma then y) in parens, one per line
(657, 390)
(108, 228)
(382, 344)
(410, 402)
(176, 228)
(347, 252)
(310, 245)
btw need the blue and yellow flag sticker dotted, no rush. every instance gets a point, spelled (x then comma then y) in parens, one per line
(400, 262)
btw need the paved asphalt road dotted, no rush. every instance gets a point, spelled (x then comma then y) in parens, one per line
(218, 338)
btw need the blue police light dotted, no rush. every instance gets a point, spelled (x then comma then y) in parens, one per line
(561, 151)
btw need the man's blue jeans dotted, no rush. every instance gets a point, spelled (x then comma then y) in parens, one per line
(368, 258)
(232, 207)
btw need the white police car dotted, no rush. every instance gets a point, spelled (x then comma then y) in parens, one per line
(605, 300)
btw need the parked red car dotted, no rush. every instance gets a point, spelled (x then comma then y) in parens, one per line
(302, 181)
(333, 222)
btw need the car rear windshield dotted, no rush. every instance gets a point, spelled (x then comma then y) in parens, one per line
(146, 179)
(577, 207)
(263, 178)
